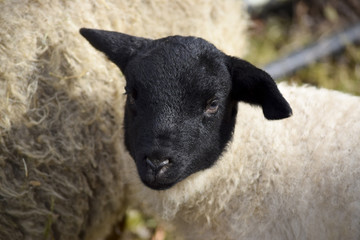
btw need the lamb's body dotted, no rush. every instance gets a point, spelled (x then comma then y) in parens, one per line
(297, 178)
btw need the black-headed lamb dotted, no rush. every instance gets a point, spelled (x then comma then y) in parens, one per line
(298, 178)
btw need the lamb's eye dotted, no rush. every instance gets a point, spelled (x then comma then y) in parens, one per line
(131, 95)
(131, 98)
(212, 106)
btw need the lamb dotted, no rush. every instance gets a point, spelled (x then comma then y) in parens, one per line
(200, 155)
(60, 176)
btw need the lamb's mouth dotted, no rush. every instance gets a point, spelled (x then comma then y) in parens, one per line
(162, 179)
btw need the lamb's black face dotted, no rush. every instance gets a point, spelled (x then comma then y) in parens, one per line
(181, 103)
(179, 114)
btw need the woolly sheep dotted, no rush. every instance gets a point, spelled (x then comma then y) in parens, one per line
(298, 178)
(60, 176)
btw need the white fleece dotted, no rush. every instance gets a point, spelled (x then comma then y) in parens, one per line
(297, 178)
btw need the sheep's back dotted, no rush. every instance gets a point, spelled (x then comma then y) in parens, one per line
(61, 107)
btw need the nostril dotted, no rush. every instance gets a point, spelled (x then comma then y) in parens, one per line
(157, 164)
(164, 163)
(150, 163)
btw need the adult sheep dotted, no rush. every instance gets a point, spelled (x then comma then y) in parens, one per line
(59, 174)
(298, 178)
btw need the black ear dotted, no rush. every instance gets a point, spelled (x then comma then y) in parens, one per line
(254, 86)
(118, 47)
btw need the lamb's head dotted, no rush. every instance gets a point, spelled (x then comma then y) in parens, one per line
(182, 96)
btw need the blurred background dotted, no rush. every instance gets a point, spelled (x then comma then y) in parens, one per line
(312, 42)
(331, 28)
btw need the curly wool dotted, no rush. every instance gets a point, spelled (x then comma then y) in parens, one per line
(297, 178)
(61, 107)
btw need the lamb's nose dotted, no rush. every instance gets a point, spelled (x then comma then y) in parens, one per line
(157, 164)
